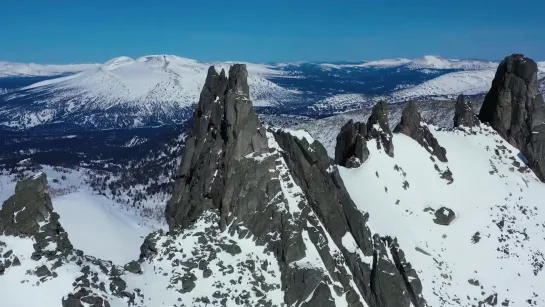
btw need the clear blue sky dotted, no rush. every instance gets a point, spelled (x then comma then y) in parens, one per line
(269, 31)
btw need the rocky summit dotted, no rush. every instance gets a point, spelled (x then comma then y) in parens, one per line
(514, 107)
(280, 187)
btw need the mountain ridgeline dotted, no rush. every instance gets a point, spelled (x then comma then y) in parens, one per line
(261, 216)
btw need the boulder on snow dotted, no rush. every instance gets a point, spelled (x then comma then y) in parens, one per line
(351, 147)
(514, 107)
(463, 114)
(444, 216)
(411, 125)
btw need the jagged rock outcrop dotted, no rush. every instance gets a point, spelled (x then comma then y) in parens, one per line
(225, 128)
(514, 107)
(29, 213)
(463, 114)
(378, 127)
(351, 147)
(280, 188)
(411, 125)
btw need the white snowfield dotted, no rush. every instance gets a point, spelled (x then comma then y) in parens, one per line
(9, 69)
(495, 245)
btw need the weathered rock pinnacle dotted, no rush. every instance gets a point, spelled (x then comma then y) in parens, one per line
(351, 147)
(411, 125)
(225, 128)
(514, 107)
(379, 128)
(281, 187)
(463, 114)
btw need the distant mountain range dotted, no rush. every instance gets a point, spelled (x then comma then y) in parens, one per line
(161, 89)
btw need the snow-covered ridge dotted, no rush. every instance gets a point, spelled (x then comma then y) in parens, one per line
(9, 69)
(461, 82)
(431, 62)
(467, 82)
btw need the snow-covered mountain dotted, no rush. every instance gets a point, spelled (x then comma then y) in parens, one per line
(431, 62)
(159, 89)
(10, 69)
(259, 216)
(450, 85)
(124, 92)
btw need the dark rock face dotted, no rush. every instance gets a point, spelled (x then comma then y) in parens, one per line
(444, 216)
(411, 125)
(378, 127)
(225, 128)
(351, 147)
(463, 114)
(235, 168)
(514, 108)
(30, 206)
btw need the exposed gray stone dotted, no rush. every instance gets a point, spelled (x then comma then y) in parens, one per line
(133, 267)
(220, 173)
(411, 125)
(351, 147)
(444, 216)
(514, 107)
(463, 114)
(378, 127)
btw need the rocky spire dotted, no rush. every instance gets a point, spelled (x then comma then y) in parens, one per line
(411, 125)
(225, 128)
(463, 114)
(379, 128)
(351, 147)
(514, 107)
(280, 188)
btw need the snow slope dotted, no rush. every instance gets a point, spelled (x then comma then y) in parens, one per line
(494, 246)
(9, 69)
(96, 224)
(471, 82)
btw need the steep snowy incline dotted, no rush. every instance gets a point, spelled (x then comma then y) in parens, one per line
(10, 69)
(494, 247)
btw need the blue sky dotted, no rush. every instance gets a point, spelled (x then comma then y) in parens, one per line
(269, 31)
